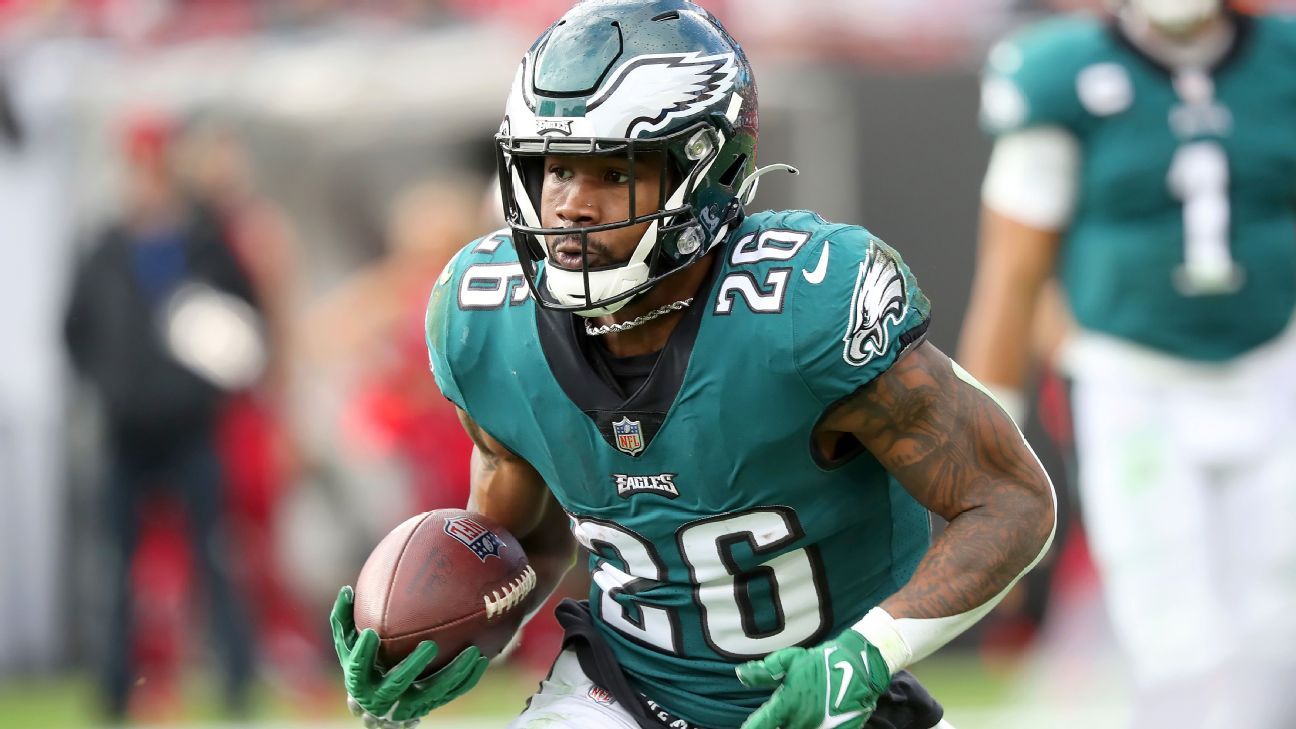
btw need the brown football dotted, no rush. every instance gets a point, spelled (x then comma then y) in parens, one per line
(451, 576)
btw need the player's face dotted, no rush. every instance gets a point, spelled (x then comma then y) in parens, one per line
(580, 191)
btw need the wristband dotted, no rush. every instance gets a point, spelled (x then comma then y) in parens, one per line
(880, 629)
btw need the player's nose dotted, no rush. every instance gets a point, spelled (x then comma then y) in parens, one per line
(578, 203)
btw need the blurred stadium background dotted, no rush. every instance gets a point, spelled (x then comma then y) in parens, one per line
(343, 152)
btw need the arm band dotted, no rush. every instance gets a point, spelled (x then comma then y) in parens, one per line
(1033, 177)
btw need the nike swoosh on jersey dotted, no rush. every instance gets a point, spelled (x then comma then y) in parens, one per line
(816, 276)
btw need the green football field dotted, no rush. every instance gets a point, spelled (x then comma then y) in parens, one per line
(975, 697)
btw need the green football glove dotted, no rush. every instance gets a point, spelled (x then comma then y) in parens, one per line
(394, 699)
(834, 684)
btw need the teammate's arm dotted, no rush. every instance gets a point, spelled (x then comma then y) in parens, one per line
(1014, 260)
(1027, 199)
(952, 447)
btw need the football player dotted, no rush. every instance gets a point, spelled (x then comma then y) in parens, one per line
(1149, 161)
(735, 413)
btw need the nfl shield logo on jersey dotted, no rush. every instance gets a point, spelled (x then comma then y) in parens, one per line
(474, 536)
(629, 436)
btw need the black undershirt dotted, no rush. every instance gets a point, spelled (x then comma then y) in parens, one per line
(624, 374)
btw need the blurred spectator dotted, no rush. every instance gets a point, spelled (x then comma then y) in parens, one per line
(216, 169)
(161, 325)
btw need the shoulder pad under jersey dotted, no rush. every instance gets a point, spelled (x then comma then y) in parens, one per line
(857, 310)
(1033, 78)
(484, 275)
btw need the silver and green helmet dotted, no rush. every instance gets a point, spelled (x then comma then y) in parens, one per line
(658, 82)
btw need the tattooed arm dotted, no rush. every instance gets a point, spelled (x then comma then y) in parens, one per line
(509, 491)
(960, 455)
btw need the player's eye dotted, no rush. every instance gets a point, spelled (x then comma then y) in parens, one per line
(560, 172)
(618, 177)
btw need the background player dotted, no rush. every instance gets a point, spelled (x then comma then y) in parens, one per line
(743, 424)
(1151, 163)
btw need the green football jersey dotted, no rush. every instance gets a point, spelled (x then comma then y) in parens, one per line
(1184, 234)
(716, 533)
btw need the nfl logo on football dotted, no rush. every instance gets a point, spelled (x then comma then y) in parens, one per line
(629, 436)
(474, 536)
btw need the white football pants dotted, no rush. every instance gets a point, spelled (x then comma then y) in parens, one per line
(1188, 489)
(568, 699)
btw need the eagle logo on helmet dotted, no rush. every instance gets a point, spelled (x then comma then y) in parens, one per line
(644, 95)
(650, 91)
(879, 298)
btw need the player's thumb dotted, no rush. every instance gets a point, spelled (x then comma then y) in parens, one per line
(341, 617)
(767, 672)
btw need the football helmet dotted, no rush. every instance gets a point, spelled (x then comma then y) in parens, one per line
(659, 83)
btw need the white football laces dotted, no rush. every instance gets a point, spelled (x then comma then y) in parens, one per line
(505, 599)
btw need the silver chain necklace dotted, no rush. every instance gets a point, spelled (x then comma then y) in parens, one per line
(594, 331)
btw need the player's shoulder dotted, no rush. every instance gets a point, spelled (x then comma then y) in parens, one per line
(796, 253)
(1033, 76)
(1063, 38)
(857, 291)
(494, 247)
(775, 238)
(484, 275)
(850, 305)
(482, 278)
(1277, 30)
(825, 255)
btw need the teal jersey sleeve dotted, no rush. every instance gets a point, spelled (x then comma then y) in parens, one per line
(1031, 78)
(440, 320)
(1282, 26)
(855, 314)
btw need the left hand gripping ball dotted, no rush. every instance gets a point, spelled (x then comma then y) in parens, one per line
(450, 576)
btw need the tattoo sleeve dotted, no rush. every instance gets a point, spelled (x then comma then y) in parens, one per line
(952, 447)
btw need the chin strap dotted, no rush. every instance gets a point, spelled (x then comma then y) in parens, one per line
(747, 191)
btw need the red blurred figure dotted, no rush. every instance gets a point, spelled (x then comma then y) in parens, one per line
(373, 323)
